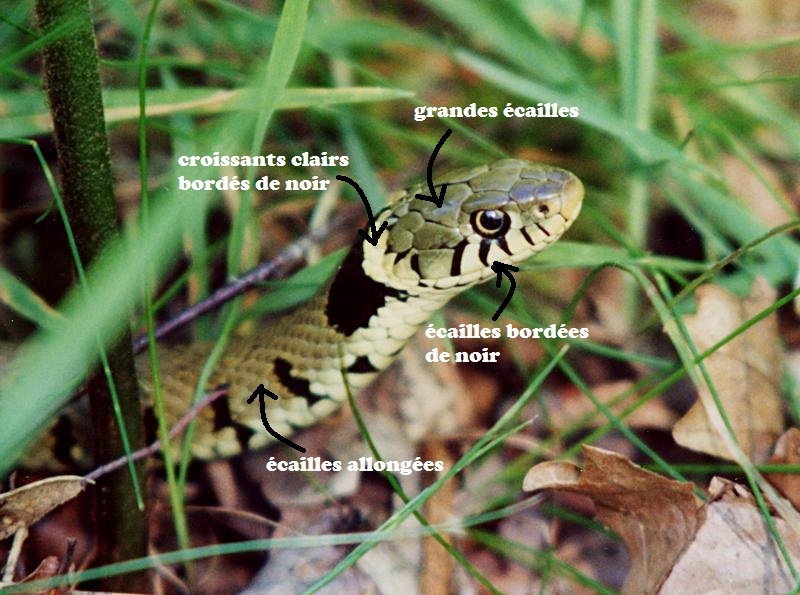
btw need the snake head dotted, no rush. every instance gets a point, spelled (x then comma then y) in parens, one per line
(505, 211)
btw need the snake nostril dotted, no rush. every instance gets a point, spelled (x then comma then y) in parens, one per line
(544, 210)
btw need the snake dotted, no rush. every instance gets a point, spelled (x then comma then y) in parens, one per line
(357, 324)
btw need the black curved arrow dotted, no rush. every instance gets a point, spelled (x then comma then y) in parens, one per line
(500, 268)
(262, 392)
(376, 233)
(437, 200)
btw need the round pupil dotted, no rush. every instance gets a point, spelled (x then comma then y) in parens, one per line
(491, 220)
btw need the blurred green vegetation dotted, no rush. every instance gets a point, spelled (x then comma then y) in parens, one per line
(688, 142)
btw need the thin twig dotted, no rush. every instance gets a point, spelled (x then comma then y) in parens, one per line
(156, 446)
(67, 560)
(286, 258)
(13, 555)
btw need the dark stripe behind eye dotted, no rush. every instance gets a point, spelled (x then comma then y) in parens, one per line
(501, 241)
(458, 254)
(483, 252)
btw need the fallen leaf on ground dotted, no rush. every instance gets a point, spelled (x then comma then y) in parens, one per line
(755, 183)
(25, 505)
(566, 408)
(733, 551)
(654, 516)
(787, 452)
(746, 373)
(295, 569)
(47, 568)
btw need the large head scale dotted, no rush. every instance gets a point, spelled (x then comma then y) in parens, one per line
(507, 211)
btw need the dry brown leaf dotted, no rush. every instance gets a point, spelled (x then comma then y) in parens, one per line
(26, 505)
(787, 452)
(654, 516)
(733, 551)
(294, 570)
(755, 189)
(47, 568)
(612, 325)
(745, 371)
(551, 475)
(566, 409)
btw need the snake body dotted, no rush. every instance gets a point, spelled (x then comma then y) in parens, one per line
(504, 211)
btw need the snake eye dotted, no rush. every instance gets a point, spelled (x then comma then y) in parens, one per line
(490, 224)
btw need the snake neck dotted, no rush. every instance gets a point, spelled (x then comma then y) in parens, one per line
(356, 300)
(356, 326)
